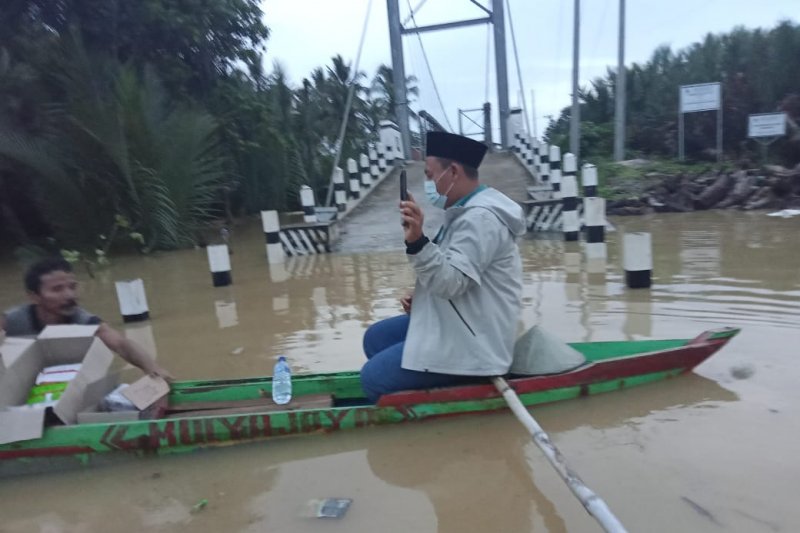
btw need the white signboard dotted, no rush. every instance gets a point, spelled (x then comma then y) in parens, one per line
(702, 97)
(766, 125)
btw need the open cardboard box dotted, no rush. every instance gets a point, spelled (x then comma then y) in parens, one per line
(148, 395)
(22, 359)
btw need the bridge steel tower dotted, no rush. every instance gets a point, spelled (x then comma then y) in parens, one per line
(397, 29)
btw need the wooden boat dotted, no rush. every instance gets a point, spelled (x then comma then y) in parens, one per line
(211, 413)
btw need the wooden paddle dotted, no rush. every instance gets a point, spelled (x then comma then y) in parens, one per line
(591, 501)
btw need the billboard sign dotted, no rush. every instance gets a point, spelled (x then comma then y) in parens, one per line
(701, 97)
(766, 125)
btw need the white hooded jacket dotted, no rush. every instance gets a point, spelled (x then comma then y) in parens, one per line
(467, 296)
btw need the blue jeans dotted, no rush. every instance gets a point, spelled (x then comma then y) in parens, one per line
(383, 373)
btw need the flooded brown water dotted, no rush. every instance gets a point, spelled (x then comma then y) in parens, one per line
(703, 452)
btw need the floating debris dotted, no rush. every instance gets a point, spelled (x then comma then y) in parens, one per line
(785, 213)
(199, 506)
(328, 507)
(702, 511)
(742, 371)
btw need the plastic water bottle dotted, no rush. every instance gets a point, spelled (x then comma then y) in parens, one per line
(282, 382)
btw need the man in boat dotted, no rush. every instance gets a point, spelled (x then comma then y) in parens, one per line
(467, 295)
(52, 289)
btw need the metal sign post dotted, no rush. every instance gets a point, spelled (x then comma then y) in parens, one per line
(765, 129)
(697, 98)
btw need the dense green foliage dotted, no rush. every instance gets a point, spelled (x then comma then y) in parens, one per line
(759, 73)
(139, 122)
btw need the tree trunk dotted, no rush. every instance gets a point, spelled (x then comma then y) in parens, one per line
(715, 193)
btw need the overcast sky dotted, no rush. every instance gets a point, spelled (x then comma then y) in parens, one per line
(307, 33)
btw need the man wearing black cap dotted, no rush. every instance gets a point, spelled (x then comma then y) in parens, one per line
(466, 300)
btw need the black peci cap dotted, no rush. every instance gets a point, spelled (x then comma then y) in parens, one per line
(451, 146)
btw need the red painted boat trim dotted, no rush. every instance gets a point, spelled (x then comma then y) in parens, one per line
(45, 452)
(685, 357)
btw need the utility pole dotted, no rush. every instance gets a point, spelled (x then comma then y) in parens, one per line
(533, 113)
(575, 119)
(619, 115)
(399, 75)
(499, 23)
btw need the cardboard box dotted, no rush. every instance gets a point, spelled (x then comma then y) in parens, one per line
(148, 394)
(23, 359)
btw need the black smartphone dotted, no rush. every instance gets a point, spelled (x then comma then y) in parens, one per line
(403, 186)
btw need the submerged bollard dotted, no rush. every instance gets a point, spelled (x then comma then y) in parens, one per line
(132, 300)
(638, 260)
(227, 316)
(594, 210)
(272, 233)
(572, 269)
(219, 262)
(309, 204)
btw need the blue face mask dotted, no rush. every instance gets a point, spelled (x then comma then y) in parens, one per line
(436, 199)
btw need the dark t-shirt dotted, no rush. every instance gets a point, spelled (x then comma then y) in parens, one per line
(21, 321)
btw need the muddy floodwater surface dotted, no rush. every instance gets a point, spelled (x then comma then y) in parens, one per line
(714, 450)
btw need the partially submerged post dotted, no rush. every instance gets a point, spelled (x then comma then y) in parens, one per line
(309, 204)
(219, 262)
(272, 229)
(638, 260)
(594, 210)
(132, 300)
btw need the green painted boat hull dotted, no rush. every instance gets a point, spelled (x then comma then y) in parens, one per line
(610, 366)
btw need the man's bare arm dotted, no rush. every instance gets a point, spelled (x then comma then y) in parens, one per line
(130, 351)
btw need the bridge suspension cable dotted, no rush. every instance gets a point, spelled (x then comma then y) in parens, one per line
(519, 71)
(428, 66)
(488, 57)
(348, 104)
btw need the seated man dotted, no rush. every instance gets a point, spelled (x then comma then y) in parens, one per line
(52, 288)
(467, 296)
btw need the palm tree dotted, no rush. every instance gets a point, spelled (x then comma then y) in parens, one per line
(115, 154)
(382, 90)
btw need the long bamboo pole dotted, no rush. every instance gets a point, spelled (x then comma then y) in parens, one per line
(591, 501)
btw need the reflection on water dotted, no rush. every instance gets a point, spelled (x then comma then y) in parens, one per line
(439, 476)
(642, 449)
